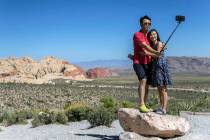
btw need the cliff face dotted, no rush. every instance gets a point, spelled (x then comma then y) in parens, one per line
(26, 70)
(98, 72)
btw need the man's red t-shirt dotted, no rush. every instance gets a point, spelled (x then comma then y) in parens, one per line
(140, 37)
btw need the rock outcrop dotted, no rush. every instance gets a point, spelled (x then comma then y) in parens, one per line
(152, 124)
(98, 73)
(26, 70)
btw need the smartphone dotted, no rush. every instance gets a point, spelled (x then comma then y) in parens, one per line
(180, 18)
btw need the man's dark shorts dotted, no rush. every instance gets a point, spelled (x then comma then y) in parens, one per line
(143, 71)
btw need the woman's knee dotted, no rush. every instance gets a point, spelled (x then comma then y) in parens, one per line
(162, 89)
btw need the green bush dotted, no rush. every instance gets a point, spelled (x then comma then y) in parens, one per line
(127, 104)
(61, 118)
(44, 118)
(153, 101)
(36, 122)
(22, 116)
(77, 112)
(204, 102)
(108, 102)
(9, 118)
(111, 104)
(101, 116)
(67, 105)
(1, 117)
(186, 106)
(49, 117)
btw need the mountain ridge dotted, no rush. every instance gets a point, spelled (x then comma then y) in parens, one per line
(177, 64)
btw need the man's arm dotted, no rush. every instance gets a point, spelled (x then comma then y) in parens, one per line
(148, 48)
(145, 52)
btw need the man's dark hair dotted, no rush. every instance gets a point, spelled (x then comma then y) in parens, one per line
(144, 17)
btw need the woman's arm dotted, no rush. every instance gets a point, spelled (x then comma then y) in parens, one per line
(160, 46)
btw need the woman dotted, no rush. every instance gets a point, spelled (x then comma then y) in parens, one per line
(160, 76)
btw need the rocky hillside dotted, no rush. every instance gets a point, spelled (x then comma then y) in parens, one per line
(189, 64)
(200, 65)
(26, 70)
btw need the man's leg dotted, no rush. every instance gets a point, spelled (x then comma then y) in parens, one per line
(143, 96)
(146, 93)
(142, 85)
(140, 72)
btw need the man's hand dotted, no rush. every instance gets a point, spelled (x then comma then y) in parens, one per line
(131, 56)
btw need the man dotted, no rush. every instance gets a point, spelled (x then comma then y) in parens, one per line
(141, 63)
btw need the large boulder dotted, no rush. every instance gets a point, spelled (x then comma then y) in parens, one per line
(152, 124)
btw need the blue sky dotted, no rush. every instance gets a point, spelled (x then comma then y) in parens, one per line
(85, 30)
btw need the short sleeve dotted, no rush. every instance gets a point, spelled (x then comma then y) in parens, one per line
(138, 38)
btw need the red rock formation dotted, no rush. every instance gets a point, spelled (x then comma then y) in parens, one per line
(75, 72)
(26, 70)
(98, 72)
(2, 75)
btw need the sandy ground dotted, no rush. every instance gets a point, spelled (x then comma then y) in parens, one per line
(200, 130)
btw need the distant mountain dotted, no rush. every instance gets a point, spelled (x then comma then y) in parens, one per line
(176, 64)
(189, 64)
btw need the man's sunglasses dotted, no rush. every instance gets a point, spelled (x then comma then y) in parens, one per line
(147, 23)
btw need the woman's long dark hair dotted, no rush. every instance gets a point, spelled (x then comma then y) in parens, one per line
(148, 36)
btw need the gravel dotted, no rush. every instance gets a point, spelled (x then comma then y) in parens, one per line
(71, 131)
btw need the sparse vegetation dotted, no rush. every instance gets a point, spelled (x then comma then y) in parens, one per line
(77, 112)
(85, 100)
(101, 116)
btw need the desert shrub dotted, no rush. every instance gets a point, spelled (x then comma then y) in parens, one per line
(111, 104)
(153, 101)
(108, 102)
(202, 104)
(127, 104)
(23, 115)
(15, 117)
(101, 116)
(172, 108)
(1, 117)
(44, 118)
(77, 112)
(61, 118)
(36, 122)
(49, 117)
(67, 105)
(185, 106)
(9, 118)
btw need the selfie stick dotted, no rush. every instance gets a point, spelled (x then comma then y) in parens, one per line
(179, 19)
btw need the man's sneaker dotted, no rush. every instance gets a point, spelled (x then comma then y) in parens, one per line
(143, 109)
